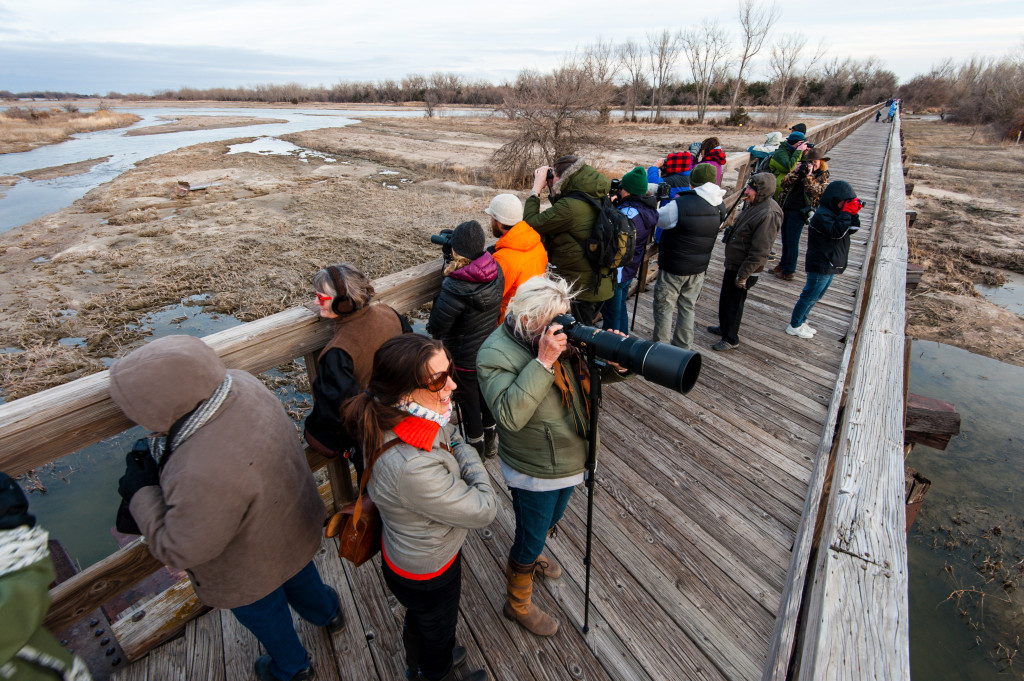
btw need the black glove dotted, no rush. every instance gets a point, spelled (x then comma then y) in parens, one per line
(140, 471)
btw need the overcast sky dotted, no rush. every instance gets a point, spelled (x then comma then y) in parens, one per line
(98, 46)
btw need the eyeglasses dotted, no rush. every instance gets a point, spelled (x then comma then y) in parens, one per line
(437, 382)
(322, 299)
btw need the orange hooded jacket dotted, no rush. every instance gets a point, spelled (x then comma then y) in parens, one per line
(520, 255)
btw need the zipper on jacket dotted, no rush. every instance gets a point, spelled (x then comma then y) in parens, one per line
(551, 444)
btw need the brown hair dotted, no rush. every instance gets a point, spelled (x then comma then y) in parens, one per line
(706, 146)
(563, 163)
(400, 366)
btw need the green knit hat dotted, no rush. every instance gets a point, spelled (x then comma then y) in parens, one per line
(635, 181)
(702, 174)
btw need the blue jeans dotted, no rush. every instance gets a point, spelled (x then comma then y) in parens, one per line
(814, 289)
(269, 620)
(792, 228)
(614, 312)
(536, 513)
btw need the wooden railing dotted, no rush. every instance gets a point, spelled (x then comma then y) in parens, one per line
(43, 427)
(851, 621)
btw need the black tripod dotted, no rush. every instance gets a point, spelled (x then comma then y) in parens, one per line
(591, 467)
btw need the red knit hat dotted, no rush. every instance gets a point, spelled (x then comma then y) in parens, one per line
(679, 162)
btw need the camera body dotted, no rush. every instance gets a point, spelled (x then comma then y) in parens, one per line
(444, 240)
(615, 186)
(660, 363)
(551, 174)
(664, 191)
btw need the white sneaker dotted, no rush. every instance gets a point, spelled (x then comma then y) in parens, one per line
(813, 331)
(800, 331)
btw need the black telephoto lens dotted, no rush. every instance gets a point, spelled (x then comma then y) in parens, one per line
(660, 363)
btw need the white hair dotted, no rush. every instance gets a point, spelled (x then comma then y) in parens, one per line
(538, 300)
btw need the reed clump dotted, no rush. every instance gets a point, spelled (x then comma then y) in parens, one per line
(25, 128)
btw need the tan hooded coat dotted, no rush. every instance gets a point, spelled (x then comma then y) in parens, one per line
(237, 506)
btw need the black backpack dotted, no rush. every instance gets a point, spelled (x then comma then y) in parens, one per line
(612, 241)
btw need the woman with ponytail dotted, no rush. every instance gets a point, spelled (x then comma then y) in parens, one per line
(430, 488)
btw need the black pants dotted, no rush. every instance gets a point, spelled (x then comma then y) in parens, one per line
(475, 414)
(730, 306)
(431, 614)
(585, 312)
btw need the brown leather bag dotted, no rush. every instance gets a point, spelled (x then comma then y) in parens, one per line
(358, 525)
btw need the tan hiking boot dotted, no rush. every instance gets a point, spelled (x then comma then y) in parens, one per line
(519, 606)
(548, 568)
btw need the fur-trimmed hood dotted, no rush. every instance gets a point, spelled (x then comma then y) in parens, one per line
(581, 177)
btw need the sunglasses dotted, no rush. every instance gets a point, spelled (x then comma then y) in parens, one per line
(322, 299)
(437, 382)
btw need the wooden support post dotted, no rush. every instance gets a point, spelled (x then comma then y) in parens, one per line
(914, 274)
(930, 422)
(910, 188)
(911, 218)
(917, 486)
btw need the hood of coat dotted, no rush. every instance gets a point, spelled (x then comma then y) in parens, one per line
(164, 380)
(580, 177)
(764, 184)
(480, 271)
(521, 237)
(835, 194)
(711, 192)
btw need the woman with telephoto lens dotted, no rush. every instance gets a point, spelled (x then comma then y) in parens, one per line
(462, 317)
(536, 386)
(430, 488)
(345, 295)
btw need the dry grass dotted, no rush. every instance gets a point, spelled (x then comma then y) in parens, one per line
(20, 132)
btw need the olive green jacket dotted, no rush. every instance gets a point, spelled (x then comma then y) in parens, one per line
(536, 435)
(568, 223)
(782, 162)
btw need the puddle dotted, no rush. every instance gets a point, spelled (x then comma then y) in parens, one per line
(72, 342)
(187, 318)
(388, 172)
(41, 259)
(272, 146)
(388, 186)
(1010, 295)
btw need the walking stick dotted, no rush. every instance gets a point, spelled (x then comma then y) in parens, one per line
(595, 401)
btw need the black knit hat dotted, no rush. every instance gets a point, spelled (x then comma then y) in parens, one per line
(13, 505)
(799, 127)
(468, 240)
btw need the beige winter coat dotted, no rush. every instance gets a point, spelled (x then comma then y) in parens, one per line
(237, 506)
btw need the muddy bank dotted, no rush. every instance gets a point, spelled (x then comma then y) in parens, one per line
(372, 195)
(969, 226)
(189, 123)
(65, 170)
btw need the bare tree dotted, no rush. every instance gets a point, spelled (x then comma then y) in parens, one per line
(789, 72)
(553, 115)
(756, 21)
(663, 51)
(632, 60)
(600, 64)
(706, 49)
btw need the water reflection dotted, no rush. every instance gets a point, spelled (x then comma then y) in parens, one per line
(974, 486)
(1010, 295)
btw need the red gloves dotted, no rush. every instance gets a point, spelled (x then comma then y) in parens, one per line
(852, 206)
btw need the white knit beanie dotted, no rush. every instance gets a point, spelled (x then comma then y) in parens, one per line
(506, 209)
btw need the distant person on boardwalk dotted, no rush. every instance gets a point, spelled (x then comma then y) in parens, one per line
(227, 494)
(345, 295)
(801, 189)
(747, 244)
(533, 382)
(633, 202)
(28, 651)
(430, 488)
(786, 157)
(893, 108)
(519, 252)
(711, 152)
(878, 114)
(828, 249)
(462, 317)
(690, 226)
(673, 170)
(566, 226)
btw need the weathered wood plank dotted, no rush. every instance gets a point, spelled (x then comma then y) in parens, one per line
(350, 647)
(204, 648)
(164, 617)
(73, 598)
(930, 422)
(240, 649)
(168, 661)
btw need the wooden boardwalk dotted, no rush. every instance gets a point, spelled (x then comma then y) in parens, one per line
(698, 502)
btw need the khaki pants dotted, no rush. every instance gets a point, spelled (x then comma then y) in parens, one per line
(676, 293)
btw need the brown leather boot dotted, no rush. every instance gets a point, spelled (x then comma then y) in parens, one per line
(519, 607)
(548, 568)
